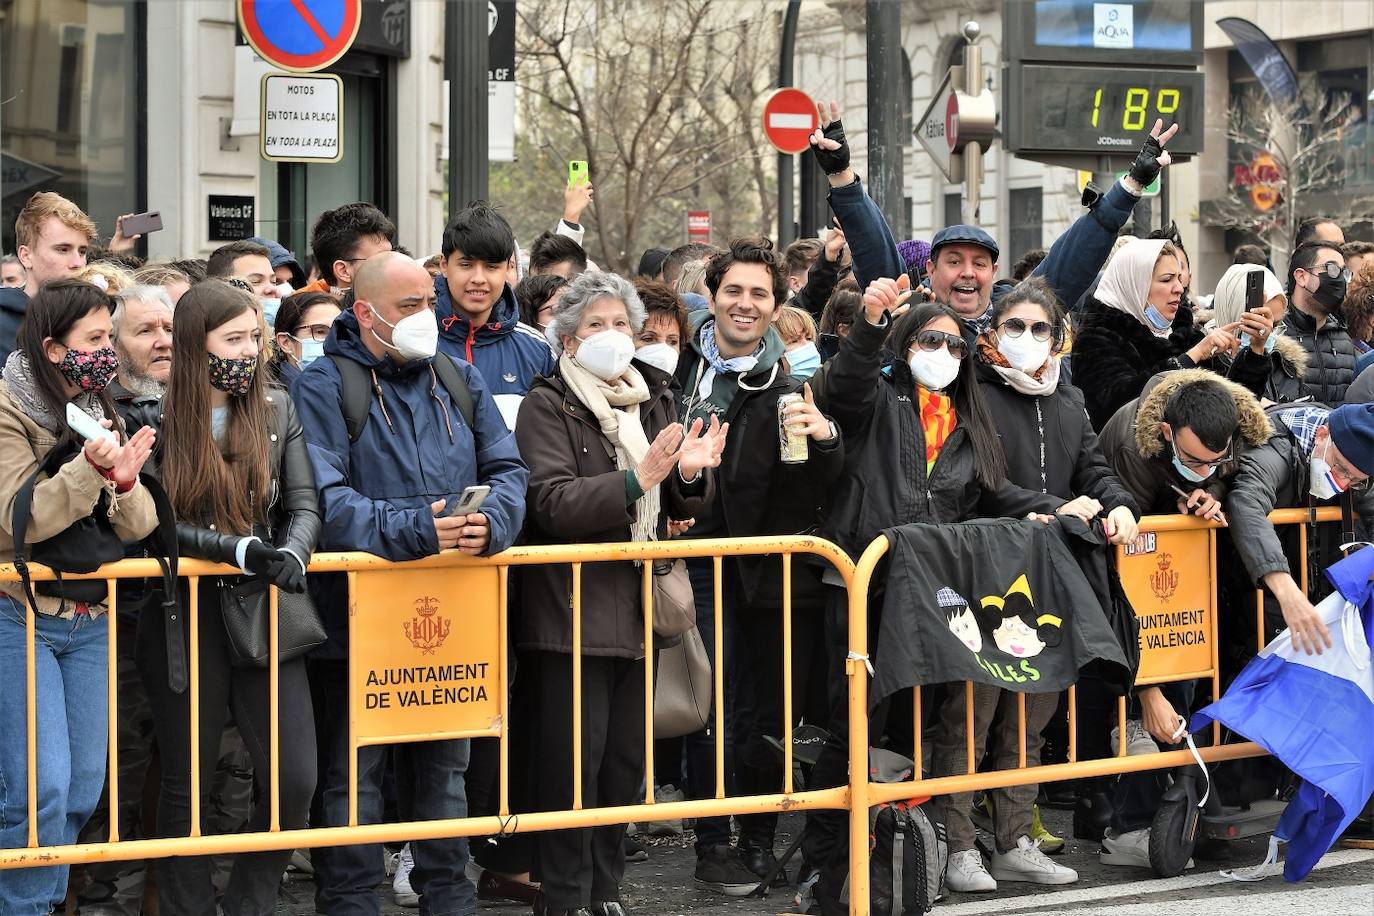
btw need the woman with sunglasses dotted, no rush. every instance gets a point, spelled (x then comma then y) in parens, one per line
(303, 323)
(923, 448)
(1050, 448)
(1137, 325)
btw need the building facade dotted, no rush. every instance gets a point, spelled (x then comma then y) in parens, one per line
(132, 106)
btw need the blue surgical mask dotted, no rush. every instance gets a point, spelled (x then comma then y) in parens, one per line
(269, 311)
(311, 350)
(1188, 473)
(1156, 318)
(804, 360)
(1269, 341)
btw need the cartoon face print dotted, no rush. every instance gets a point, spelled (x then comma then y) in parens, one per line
(965, 628)
(1016, 639)
(960, 618)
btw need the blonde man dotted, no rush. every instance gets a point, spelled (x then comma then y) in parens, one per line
(52, 235)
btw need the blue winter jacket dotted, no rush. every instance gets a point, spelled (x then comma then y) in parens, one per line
(1070, 267)
(14, 302)
(375, 493)
(510, 355)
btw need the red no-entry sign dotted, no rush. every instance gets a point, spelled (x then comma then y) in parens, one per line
(789, 117)
(300, 35)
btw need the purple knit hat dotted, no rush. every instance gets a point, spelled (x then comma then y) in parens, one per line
(914, 253)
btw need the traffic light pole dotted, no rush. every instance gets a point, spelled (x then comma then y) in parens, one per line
(786, 192)
(465, 66)
(885, 147)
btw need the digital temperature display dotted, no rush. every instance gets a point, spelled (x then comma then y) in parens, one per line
(1101, 110)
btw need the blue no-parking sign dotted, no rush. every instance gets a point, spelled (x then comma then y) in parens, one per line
(300, 35)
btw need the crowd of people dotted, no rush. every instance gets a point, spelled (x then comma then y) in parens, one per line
(254, 407)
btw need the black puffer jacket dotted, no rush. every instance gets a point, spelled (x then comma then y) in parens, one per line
(293, 519)
(1050, 445)
(886, 482)
(1114, 355)
(1330, 355)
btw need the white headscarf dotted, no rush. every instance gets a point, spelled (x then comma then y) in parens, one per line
(1125, 284)
(1229, 302)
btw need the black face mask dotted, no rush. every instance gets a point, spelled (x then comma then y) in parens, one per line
(1330, 291)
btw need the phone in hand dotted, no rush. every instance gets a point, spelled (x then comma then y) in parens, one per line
(577, 173)
(141, 223)
(1254, 290)
(470, 501)
(85, 426)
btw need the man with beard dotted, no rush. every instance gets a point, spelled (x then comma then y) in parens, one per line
(1317, 280)
(143, 341)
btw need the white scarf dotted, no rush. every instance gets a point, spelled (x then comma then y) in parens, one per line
(616, 407)
(1125, 283)
(1028, 385)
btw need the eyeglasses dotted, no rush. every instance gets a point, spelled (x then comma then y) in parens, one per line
(1203, 462)
(1335, 271)
(1353, 479)
(1015, 327)
(930, 341)
(312, 332)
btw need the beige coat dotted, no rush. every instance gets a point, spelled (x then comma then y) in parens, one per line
(58, 502)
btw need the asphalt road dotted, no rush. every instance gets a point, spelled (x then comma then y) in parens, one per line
(1342, 885)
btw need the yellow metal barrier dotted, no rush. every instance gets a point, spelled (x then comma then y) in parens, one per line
(408, 574)
(856, 797)
(1154, 669)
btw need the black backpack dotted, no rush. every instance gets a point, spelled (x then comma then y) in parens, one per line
(356, 381)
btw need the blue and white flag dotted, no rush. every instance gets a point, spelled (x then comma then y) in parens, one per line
(1315, 713)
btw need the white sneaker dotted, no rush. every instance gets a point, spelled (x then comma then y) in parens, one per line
(666, 793)
(1138, 740)
(967, 875)
(400, 885)
(1027, 863)
(1131, 849)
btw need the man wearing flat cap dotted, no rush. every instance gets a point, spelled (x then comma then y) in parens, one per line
(1317, 457)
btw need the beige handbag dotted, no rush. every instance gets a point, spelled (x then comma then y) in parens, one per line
(682, 687)
(675, 609)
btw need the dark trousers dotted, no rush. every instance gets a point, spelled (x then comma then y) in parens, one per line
(583, 866)
(1137, 795)
(758, 763)
(701, 745)
(429, 786)
(184, 883)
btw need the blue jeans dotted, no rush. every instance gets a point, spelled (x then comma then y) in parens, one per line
(71, 688)
(701, 745)
(429, 786)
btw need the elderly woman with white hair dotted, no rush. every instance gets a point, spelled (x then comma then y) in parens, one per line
(608, 462)
(1137, 325)
(1268, 363)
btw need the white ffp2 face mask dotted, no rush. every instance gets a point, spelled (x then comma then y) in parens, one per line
(1025, 352)
(935, 369)
(414, 336)
(606, 354)
(659, 355)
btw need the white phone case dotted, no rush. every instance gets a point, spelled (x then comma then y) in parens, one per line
(86, 426)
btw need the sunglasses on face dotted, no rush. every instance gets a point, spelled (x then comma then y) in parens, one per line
(1015, 327)
(1334, 270)
(930, 341)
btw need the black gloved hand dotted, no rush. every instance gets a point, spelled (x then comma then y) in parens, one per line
(1146, 167)
(258, 557)
(286, 573)
(832, 161)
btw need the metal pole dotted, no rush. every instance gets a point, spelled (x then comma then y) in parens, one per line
(786, 219)
(885, 145)
(465, 65)
(973, 151)
(1163, 200)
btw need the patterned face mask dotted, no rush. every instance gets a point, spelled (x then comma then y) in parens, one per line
(232, 376)
(89, 370)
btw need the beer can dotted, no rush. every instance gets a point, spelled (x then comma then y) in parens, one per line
(793, 445)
